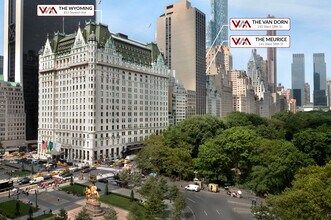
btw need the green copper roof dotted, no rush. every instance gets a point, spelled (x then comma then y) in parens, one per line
(131, 51)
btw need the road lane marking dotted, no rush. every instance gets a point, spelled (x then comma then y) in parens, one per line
(198, 197)
(191, 200)
(240, 203)
(205, 212)
(218, 212)
(192, 212)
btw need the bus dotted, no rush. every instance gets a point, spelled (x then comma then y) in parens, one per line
(6, 185)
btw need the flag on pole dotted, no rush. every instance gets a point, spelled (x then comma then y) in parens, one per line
(46, 145)
(50, 145)
(57, 147)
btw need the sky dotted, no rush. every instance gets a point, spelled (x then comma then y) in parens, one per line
(310, 27)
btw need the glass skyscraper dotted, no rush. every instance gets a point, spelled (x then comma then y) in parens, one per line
(25, 34)
(319, 80)
(298, 78)
(219, 17)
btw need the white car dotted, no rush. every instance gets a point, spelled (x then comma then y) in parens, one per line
(192, 187)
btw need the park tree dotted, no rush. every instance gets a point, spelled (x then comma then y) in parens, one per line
(162, 184)
(315, 143)
(151, 157)
(275, 164)
(227, 155)
(17, 208)
(154, 204)
(179, 163)
(124, 176)
(71, 180)
(135, 212)
(62, 215)
(240, 119)
(30, 213)
(135, 179)
(132, 195)
(106, 189)
(178, 207)
(110, 214)
(173, 192)
(83, 215)
(147, 187)
(309, 197)
(193, 132)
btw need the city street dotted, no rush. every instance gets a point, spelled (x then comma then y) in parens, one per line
(206, 205)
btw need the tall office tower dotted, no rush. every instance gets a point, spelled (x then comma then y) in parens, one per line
(243, 93)
(25, 34)
(218, 18)
(12, 115)
(307, 93)
(319, 80)
(100, 94)
(298, 78)
(1, 65)
(256, 74)
(272, 63)
(181, 35)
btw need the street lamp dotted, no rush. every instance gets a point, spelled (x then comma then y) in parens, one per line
(36, 198)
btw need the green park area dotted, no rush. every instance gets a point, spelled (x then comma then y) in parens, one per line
(44, 217)
(12, 209)
(76, 189)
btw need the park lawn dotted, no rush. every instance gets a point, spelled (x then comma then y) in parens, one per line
(119, 201)
(75, 189)
(45, 217)
(22, 173)
(8, 209)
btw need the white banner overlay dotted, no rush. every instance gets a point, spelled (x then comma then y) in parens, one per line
(65, 10)
(260, 24)
(249, 41)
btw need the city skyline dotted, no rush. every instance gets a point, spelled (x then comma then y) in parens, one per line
(139, 22)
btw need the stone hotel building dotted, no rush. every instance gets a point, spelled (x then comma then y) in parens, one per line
(100, 94)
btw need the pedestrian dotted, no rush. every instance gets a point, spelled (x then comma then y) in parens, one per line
(58, 199)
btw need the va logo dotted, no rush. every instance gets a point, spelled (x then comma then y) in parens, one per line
(47, 10)
(241, 41)
(241, 24)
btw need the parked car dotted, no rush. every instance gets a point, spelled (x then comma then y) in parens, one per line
(37, 180)
(103, 180)
(86, 170)
(66, 176)
(24, 180)
(47, 177)
(192, 187)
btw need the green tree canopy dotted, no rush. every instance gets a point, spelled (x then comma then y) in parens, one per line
(309, 198)
(83, 215)
(193, 132)
(275, 164)
(315, 143)
(63, 215)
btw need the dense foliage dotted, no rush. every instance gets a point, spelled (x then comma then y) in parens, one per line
(263, 155)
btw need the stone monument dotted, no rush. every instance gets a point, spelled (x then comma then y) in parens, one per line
(93, 205)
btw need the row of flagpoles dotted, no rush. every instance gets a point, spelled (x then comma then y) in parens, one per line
(51, 146)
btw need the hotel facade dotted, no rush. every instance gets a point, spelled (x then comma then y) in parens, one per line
(100, 94)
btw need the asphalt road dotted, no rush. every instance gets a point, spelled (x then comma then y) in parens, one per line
(206, 205)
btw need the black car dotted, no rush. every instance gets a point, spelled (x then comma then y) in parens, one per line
(103, 180)
(24, 180)
(47, 177)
